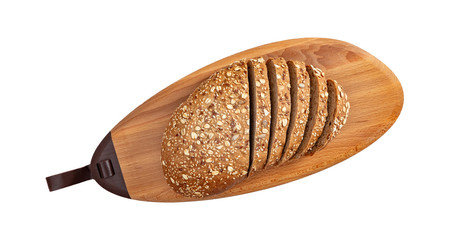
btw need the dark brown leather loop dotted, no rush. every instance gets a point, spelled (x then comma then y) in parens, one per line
(69, 178)
(104, 169)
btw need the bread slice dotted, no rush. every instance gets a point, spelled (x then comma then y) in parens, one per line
(342, 116)
(338, 109)
(317, 111)
(260, 109)
(300, 97)
(205, 148)
(280, 108)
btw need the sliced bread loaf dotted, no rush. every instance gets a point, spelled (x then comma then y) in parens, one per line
(338, 109)
(317, 111)
(300, 97)
(205, 148)
(280, 108)
(260, 117)
(246, 117)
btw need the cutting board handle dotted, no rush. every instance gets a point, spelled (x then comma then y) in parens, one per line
(68, 178)
(104, 169)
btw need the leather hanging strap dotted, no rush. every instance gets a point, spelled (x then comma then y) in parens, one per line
(69, 178)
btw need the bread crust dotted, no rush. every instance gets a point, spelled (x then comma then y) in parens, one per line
(280, 114)
(205, 148)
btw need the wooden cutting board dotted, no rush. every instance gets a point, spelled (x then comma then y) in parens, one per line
(373, 90)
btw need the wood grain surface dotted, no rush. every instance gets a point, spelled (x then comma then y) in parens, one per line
(374, 92)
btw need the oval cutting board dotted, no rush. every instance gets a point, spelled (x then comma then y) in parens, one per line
(374, 92)
(127, 162)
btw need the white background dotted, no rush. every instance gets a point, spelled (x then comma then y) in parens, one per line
(70, 70)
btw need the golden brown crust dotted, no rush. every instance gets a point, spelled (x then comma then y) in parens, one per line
(262, 114)
(280, 116)
(205, 148)
(300, 115)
